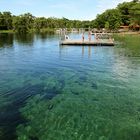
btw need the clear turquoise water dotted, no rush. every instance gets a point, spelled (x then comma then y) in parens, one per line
(52, 92)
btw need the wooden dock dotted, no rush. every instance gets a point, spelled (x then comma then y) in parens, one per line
(100, 42)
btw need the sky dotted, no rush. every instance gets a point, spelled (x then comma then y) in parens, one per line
(71, 9)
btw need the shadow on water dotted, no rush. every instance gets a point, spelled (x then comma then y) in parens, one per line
(85, 50)
(29, 39)
(44, 36)
(6, 40)
(10, 116)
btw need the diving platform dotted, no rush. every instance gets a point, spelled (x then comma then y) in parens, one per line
(100, 42)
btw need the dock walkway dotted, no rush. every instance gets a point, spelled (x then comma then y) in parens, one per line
(100, 42)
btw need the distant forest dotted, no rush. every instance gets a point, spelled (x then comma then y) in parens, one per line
(125, 14)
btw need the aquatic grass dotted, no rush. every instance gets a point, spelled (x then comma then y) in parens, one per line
(73, 119)
(83, 116)
(83, 110)
(68, 123)
(80, 108)
(131, 43)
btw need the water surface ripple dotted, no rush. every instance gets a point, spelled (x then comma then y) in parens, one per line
(57, 92)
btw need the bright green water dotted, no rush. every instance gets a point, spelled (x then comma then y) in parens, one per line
(50, 92)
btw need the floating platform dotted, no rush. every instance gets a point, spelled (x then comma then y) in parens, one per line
(100, 42)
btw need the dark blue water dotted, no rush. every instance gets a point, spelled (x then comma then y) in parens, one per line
(53, 92)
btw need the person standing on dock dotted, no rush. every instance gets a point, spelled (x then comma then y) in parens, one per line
(89, 36)
(83, 37)
(96, 37)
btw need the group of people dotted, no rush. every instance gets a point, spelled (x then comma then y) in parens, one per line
(97, 37)
(89, 36)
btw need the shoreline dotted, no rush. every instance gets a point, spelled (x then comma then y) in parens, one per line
(52, 30)
(129, 33)
(7, 31)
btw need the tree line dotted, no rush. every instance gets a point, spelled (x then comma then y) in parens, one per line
(126, 13)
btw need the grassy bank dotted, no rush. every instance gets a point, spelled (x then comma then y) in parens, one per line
(6, 31)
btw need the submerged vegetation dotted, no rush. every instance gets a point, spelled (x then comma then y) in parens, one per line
(73, 106)
(131, 43)
(126, 13)
(81, 112)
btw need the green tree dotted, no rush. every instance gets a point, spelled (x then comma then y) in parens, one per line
(20, 24)
(29, 20)
(110, 17)
(135, 14)
(93, 24)
(2, 26)
(40, 23)
(113, 16)
(23, 23)
(107, 25)
(5, 21)
(124, 9)
(100, 20)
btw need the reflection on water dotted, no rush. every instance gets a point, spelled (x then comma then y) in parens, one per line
(83, 49)
(44, 36)
(50, 92)
(6, 40)
(24, 39)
